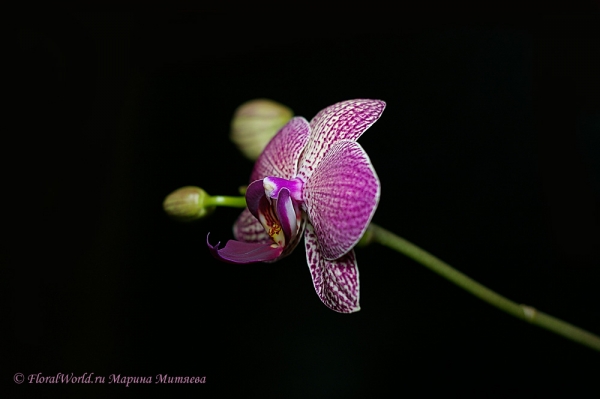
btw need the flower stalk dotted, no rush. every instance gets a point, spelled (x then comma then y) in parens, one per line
(524, 312)
(228, 201)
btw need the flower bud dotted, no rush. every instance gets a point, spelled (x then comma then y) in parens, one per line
(255, 123)
(187, 204)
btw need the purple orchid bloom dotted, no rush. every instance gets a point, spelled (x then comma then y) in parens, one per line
(312, 178)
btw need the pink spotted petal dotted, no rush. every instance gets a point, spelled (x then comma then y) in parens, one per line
(336, 281)
(280, 156)
(341, 197)
(346, 120)
(245, 252)
(247, 228)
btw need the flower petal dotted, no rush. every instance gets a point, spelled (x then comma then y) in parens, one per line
(336, 281)
(346, 120)
(247, 228)
(341, 197)
(245, 252)
(280, 156)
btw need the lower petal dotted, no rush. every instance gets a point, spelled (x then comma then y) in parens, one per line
(245, 252)
(336, 281)
(247, 228)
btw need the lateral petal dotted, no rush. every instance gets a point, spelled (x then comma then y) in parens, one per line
(341, 197)
(346, 120)
(336, 281)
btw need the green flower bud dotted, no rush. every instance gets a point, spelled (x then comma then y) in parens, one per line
(255, 123)
(187, 204)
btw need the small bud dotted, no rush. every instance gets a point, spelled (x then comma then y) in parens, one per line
(187, 204)
(255, 123)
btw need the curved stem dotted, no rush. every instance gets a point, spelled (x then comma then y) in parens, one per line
(222, 200)
(527, 313)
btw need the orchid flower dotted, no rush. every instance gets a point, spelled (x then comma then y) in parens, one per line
(312, 179)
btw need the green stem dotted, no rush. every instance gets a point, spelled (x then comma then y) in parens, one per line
(527, 313)
(222, 200)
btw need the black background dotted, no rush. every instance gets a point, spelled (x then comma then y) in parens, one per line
(487, 154)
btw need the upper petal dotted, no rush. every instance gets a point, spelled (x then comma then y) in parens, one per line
(346, 120)
(336, 281)
(280, 156)
(341, 197)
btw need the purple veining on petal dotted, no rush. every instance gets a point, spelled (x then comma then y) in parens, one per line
(272, 185)
(346, 120)
(341, 197)
(280, 156)
(244, 252)
(336, 281)
(247, 228)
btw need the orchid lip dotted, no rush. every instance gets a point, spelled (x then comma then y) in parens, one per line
(273, 186)
(269, 217)
(244, 252)
(272, 203)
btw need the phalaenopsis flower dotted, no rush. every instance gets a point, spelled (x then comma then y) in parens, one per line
(312, 179)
